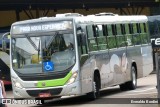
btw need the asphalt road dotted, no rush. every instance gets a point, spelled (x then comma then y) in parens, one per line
(110, 97)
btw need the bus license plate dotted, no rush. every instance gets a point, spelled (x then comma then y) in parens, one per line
(44, 95)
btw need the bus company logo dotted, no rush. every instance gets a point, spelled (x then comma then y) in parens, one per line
(43, 84)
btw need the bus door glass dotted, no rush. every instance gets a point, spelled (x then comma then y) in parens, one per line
(85, 65)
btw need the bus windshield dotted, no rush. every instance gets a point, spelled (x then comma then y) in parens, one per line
(31, 51)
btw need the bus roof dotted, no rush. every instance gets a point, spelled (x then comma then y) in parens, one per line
(42, 19)
(90, 19)
(111, 19)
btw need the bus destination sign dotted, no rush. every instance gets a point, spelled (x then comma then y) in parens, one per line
(35, 27)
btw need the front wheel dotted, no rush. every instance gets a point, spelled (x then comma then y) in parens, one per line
(96, 92)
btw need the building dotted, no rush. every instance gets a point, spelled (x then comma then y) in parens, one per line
(16, 10)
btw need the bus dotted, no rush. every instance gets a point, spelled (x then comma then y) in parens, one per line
(5, 58)
(154, 29)
(72, 54)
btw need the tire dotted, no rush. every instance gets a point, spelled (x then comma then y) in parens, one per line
(133, 83)
(96, 92)
(123, 87)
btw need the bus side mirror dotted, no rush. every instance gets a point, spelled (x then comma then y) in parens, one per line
(4, 45)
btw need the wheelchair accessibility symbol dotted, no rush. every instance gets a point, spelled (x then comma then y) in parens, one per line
(48, 66)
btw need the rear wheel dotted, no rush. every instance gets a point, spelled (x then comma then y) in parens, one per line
(96, 92)
(123, 87)
(133, 83)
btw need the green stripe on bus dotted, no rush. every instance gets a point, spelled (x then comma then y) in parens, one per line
(55, 82)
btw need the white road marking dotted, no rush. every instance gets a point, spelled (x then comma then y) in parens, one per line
(143, 90)
(137, 94)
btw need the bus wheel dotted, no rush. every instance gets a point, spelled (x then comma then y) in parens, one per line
(123, 87)
(133, 83)
(96, 92)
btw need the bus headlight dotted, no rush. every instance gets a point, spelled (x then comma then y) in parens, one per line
(73, 78)
(17, 84)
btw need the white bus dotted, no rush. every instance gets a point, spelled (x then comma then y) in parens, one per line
(77, 55)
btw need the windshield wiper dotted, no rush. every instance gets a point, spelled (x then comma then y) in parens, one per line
(38, 50)
(32, 43)
(56, 33)
(47, 43)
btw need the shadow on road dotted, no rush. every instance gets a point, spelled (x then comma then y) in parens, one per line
(83, 99)
(80, 100)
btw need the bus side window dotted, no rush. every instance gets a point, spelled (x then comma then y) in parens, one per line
(120, 38)
(129, 39)
(131, 28)
(114, 29)
(138, 27)
(111, 38)
(92, 42)
(145, 29)
(135, 31)
(144, 34)
(102, 42)
(123, 29)
(105, 30)
(81, 36)
(136, 35)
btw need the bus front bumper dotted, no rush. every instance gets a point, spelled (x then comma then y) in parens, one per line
(66, 90)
